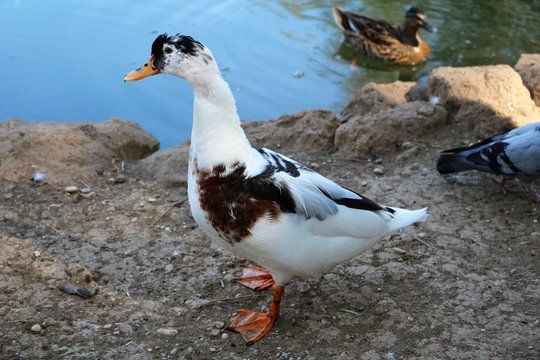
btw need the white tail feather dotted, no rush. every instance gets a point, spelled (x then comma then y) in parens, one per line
(404, 217)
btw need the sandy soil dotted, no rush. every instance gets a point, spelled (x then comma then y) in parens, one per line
(464, 285)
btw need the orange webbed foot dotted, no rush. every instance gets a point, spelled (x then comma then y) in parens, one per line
(252, 326)
(256, 278)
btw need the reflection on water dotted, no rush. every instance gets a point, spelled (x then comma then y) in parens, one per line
(64, 61)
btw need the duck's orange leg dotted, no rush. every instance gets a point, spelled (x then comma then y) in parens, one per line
(252, 326)
(256, 278)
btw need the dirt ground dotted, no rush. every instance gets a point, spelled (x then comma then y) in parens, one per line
(463, 285)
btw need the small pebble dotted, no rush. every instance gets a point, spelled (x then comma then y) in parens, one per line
(70, 288)
(125, 328)
(36, 254)
(173, 351)
(38, 177)
(218, 324)
(212, 349)
(85, 190)
(167, 331)
(422, 235)
(399, 251)
(169, 268)
(36, 328)
(107, 326)
(71, 189)
(378, 171)
(224, 336)
(167, 229)
(214, 332)
(151, 199)
(378, 161)
(410, 318)
(120, 179)
(407, 145)
(364, 183)
(304, 287)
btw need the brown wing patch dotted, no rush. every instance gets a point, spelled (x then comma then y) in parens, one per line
(234, 204)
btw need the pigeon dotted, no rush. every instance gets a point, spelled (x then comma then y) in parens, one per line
(512, 154)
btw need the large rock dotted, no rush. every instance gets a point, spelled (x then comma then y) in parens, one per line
(309, 131)
(65, 151)
(528, 67)
(487, 98)
(169, 167)
(381, 131)
(374, 97)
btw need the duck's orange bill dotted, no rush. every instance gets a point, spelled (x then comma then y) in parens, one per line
(142, 72)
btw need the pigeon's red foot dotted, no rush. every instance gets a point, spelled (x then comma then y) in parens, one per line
(502, 185)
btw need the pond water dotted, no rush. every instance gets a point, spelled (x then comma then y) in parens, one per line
(64, 60)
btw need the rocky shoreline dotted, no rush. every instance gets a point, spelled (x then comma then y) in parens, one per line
(111, 219)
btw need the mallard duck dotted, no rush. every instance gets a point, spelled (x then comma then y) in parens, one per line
(380, 39)
(515, 154)
(258, 203)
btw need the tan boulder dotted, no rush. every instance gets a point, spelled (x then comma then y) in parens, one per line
(374, 97)
(380, 131)
(309, 131)
(169, 167)
(528, 67)
(489, 99)
(64, 151)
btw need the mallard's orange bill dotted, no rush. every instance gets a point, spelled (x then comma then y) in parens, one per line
(142, 72)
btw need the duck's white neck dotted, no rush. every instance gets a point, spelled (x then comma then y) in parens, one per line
(217, 137)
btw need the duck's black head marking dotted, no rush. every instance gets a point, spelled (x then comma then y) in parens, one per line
(184, 44)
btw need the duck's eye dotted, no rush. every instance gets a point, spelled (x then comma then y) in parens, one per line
(168, 50)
